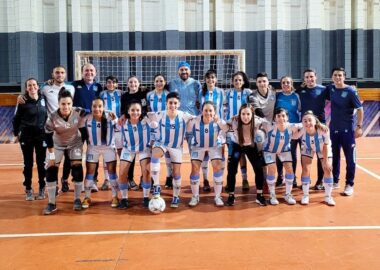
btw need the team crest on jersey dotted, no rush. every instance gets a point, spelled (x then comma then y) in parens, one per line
(125, 155)
(268, 158)
(344, 94)
(95, 88)
(79, 86)
(318, 92)
(143, 102)
(77, 152)
(75, 121)
(194, 154)
(43, 103)
(258, 139)
(294, 103)
(303, 91)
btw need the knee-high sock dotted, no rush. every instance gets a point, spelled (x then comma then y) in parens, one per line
(146, 188)
(176, 186)
(194, 183)
(123, 190)
(51, 187)
(305, 180)
(155, 170)
(218, 183)
(243, 171)
(328, 183)
(114, 185)
(77, 189)
(271, 180)
(89, 181)
(289, 178)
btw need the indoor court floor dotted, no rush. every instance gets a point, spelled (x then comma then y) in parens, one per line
(244, 236)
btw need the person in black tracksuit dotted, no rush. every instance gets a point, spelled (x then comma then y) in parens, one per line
(28, 127)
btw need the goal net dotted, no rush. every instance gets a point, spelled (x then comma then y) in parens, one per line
(145, 64)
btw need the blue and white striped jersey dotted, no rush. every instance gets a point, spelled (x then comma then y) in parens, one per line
(217, 97)
(171, 132)
(314, 142)
(94, 131)
(136, 137)
(234, 100)
(157, 102)
(279, 141)
(112, 101)
(205, 135)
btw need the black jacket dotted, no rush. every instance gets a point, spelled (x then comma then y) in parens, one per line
(30, 118)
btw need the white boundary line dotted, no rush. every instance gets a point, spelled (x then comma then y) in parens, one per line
(368, 171)
(204, 230)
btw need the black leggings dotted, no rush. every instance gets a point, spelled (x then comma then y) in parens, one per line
(255, 158)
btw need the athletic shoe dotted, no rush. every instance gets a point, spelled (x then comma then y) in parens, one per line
(123, 204)
(94, 187)
(50, 209)
(273, 200)
(289, 199)
(156, 191)
(86, 203)
(245, 186)
(348, 190)
(114, 202)
(319, 187)
(169, 182)
(330, 201)
(145, 202)
(279, 181)
(336, 185)
(305, 199)
(29, 195)
(132, 185)
(41, 194)
(105, 185)
(175, 202)
(77, 205)
(206, 186)
(231, 200)
(219, 201)
(65, 185)
(194, 201)
(260, 200)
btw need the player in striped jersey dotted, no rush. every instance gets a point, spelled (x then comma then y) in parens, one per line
(100, 142)
(315, 139)
(111, 97)
(136, 138)
(172, 128)
(157, 103)
(235, 98)
(62, 128)
(277, 144)
(206, 129)
(214, 94)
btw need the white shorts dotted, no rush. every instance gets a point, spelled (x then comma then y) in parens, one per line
(310, 153)
(175, 153)
(198, 153)
(283, 157)
(75, 153)
(118, 139)
(95, 151)
(127, 155)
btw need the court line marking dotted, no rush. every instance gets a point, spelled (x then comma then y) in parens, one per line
(368, 171)
(203, 230)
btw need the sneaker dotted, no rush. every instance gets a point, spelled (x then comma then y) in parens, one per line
(41, 194)
(132, 185)
(86, 203)
(245, 186)
(29, 195)
(94, 187)
(105, 185)
(305, 199)
(261, 200)
(289, 199)
(145, 202)
(194, 201)
(77, 205)
(156, 191)
(231, 200)
(319, 187)
(336, 185)
(114, 202)
(330, 201)
(206, 186)
(348, 190)
(219, 201)
(169, 182)
(279, 181)
(123, 204)
(50, 209)
(175, 202)
(65, 185)
(273, 200)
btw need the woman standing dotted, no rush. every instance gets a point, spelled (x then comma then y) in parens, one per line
(29, 129)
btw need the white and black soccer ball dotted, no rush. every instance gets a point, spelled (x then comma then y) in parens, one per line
(157, 205)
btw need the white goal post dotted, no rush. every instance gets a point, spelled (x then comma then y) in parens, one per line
(145, 64)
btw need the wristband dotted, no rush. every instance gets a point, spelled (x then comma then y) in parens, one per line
(51, 156)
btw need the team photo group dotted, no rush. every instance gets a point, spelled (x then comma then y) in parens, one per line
(60, 122)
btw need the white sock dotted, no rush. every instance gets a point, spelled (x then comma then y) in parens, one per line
(289, 178)
(155, 170)
(176, 186)
(123, 190)
(77, 189)
(146, 188)
(218, 183)
(51, 188)
(271, 180)
(87, 187)
(305, 185)
(194, 183)
(328, 184)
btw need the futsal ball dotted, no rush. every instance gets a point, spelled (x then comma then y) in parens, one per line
(157, 205)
